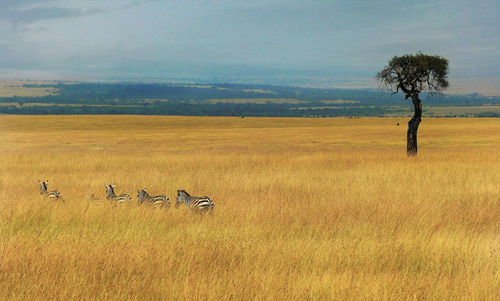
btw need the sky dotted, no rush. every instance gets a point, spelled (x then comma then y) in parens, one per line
(323, 43)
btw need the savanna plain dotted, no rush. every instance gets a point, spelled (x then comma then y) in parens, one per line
(315, 209)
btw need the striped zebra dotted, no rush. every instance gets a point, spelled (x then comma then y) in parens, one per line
(159, 200)
(195, 203)
(53, 194)
(110, 195)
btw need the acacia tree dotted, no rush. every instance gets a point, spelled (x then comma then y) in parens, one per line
(413, 74)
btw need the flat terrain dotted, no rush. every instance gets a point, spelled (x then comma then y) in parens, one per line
(167, 99)
(470, 110)
(17, 88)
(304, 209)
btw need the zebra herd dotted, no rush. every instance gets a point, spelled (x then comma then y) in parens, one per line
(195, 203)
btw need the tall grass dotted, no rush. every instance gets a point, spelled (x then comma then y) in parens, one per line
(304, 209)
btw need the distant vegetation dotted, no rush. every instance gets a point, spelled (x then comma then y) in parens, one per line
(225, 100)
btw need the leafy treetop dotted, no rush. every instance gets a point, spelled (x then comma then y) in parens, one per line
(413, 74)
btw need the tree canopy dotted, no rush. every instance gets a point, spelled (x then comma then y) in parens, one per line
(412, 74)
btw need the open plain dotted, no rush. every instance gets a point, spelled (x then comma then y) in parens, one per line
(304, 209)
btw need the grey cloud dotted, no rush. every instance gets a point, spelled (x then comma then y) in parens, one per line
(224, 39)
(16, 4)
(28, 12)
(44, 13)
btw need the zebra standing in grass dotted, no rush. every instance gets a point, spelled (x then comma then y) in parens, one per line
(195, 203)
(53, 194)
(159, 200)
(110, 195)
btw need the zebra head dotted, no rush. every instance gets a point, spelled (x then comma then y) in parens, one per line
(141, 194)
(110, 193)
(182, 195)
(43, 186)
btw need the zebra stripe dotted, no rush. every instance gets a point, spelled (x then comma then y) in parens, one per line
(195, 203)
(53, 194)
(159, 200)
(110, 195)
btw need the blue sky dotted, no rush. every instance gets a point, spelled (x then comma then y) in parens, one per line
(315, 42)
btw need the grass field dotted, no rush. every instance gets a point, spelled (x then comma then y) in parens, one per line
(257, 100)
(17, 88)
(470, 110)
(304, 209)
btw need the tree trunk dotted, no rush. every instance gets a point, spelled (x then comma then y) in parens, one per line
(411, 135)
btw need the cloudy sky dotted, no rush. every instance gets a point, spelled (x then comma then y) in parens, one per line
(323, 42)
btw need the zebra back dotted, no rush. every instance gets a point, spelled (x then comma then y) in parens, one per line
(195, 203)
(110, 195)
(158, 200)
(92, 197)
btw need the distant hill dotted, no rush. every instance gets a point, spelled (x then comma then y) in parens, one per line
(227, 100)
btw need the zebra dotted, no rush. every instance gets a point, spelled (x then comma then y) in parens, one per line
(195, 203)
(159, 200)
(110, 195)
(53, 194)
(92, 197)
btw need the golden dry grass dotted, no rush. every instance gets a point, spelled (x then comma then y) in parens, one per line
(443, 111)
(304, 209)
(48, 104)
(256, 100)
(17, 88)
(339, 101)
